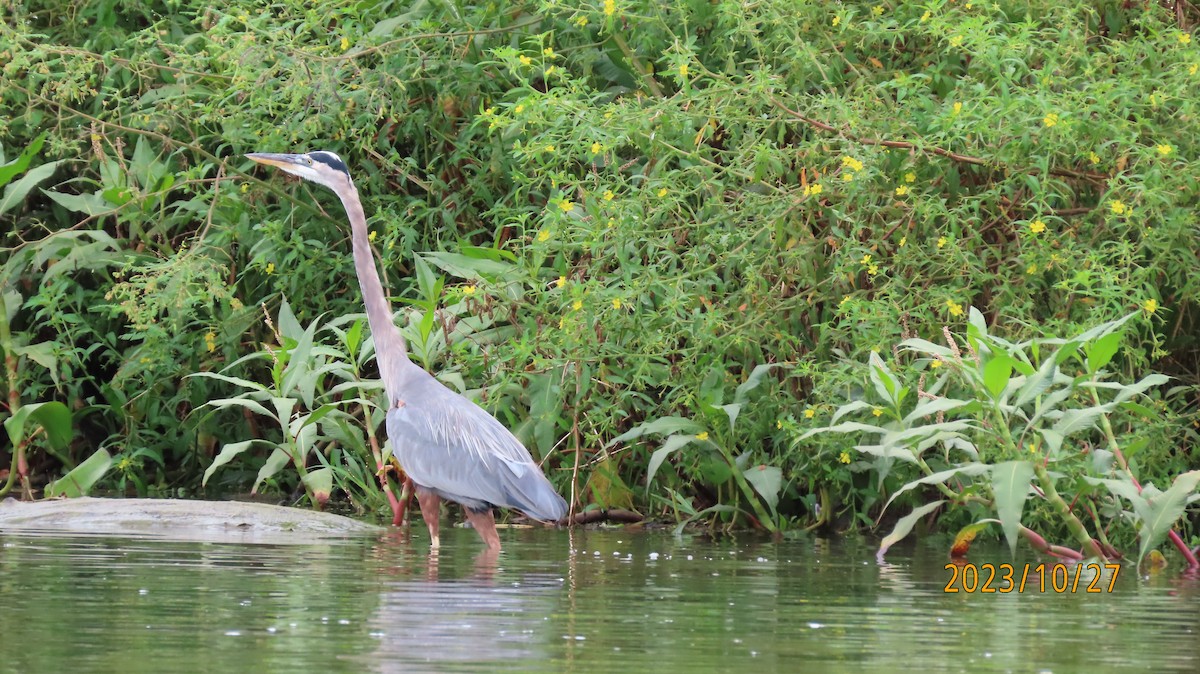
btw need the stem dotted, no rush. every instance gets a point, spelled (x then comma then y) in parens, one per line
(637, 65)
(19, 466)
(752, 497)
(1076, 527)
(1176, 539)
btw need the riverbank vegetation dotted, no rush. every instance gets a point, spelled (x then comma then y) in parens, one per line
(782, 265)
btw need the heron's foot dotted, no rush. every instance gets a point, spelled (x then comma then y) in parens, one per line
(434, 543)
(484, 522)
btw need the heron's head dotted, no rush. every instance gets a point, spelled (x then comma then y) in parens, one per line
(321, 167)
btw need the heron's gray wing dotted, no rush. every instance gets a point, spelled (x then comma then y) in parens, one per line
(451, 445)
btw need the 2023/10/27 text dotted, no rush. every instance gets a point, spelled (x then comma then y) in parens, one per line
(1056, 578)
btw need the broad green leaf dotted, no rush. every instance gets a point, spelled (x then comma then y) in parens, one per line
(927, 347)
(466, 267)
(54, 418)
(1141, 386)
(244, 383)
(767, 481)
(672, 444)
(940, 477)
(1075, 420)
(288, 325)
(252, 405)
(227, 454)
(1100, 352)
(886, 385)
(904, 525)
(1037, 383)
(320, 483)
(888, 452)
(16, 166)
(82, 477)
(731, 411)
(88, 204)
(660, 426)
(1159, 513)
(1010, 486)
(930, 408)
(846, 427)
(849, 407)
(16, 192)
(752, 382)
(996, 374)
(278, 459)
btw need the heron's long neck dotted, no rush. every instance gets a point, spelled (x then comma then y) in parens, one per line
(390, 350)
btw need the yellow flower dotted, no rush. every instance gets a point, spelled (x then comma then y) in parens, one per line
(525, 60)
(926, 15)
(548, 52)
(1185, 38)
(683, 70)
(235, 304)
(877, 10)
(956, 41)
(1194, 68)
(270, 267)
(345, 44)
(610, 6)
(836, 20)
(901, 190)
(877, 412)
(549, 148)
(812, 189)
(954, 307)
(611, 222)
(1150, 305)
(210, 340)
(549, 71)
(1050, 119)
(702, 435)
(942, 241)
(957, 107)
(809, 413)
(519, 109)
(581, 21)
(779, 424)
(566, 205)
(910, 177)
(543, 235)
(1118, 207)
(866, 259)
(562, 321)
(596, 148)
(578, 304)
(844, 457)
(1037, 226)
(662, 192)
(845, 298)
(935, 364)
(847, 176)
(608, 195)
(371, 236)
(469, 290)
(1031, 269)
(616, 303)
(854, 164)
(1164, 149)
(872, 269)
(903, 240)
(562, 281)
(245, 187)
(1093, 157)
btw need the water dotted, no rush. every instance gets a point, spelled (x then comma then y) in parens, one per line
(620, 602)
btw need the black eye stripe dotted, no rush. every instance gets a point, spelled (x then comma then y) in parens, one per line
(329, 159)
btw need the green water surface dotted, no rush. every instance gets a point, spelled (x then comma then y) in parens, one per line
(588, 601)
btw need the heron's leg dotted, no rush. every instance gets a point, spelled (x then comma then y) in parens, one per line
(485, 523)
(430, 509)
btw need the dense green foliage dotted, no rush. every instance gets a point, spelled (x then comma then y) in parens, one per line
(603, 217)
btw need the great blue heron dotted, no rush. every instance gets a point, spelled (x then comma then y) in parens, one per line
(449, 446)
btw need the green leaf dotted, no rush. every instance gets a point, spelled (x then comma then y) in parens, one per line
(227, 454)
(320, 484)
(1073, 421)
(254, 406)
(660, 426)
(996, 375)
(1100, 352)
(1010, 486)
(940, 477)
(849, 407)
(886, 385)
(82, 477)
(16, 166)
(929, 408)
(846, 427)
(54, 418)
(1140, 387)
(88, 204)
(752, 382)
(278, 459)
(904, 525)
(673, 443)
(244, 383)
(1159, 513)
(731, 411)
(1037, 384)
(16, 192)
(767, 481)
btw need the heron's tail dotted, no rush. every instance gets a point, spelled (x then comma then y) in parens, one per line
(530, 492)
